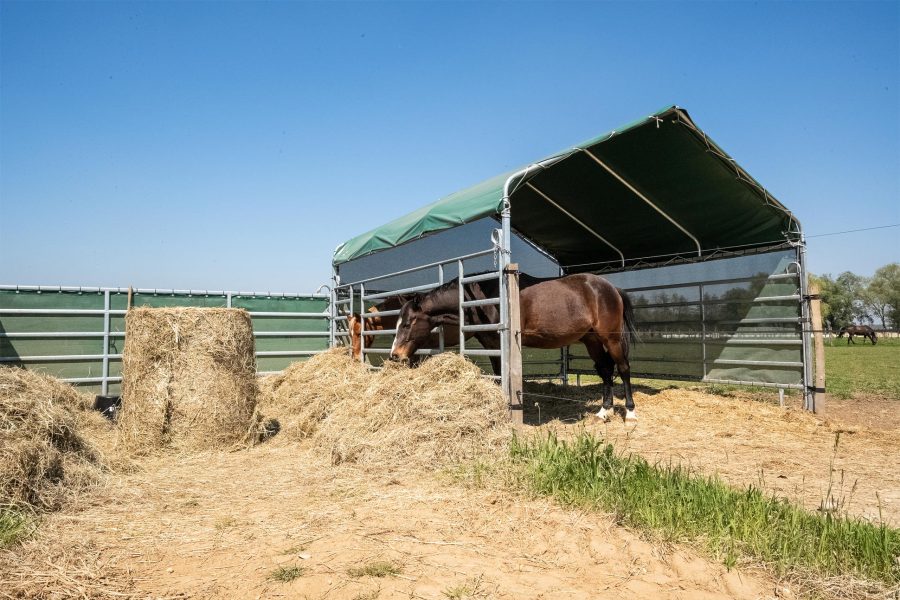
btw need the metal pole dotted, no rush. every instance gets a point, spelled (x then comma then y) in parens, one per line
(564, 354)
(703, 329)
(362, 323)
(441, 328)
(228, 300)
(332, 332)
(462, 310)
(104, 387)
(809, 394)
(504, 252)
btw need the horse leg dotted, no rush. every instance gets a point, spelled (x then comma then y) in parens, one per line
(617, 353)
(605, 367)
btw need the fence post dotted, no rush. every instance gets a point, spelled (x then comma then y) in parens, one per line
(516, 405)
(104, 385)
(815, 305)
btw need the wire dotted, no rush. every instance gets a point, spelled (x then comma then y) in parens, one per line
(854, 230)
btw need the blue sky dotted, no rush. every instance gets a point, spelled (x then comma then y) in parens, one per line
(234, 145)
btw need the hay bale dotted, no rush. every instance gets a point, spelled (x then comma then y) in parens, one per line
(440, 412)
(188, 379)
(44, 453)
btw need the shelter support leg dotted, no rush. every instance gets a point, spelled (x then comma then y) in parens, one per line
(516, 405)
(815, 305)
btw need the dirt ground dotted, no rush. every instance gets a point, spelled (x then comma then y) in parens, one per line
(841, 461)
(217, 525)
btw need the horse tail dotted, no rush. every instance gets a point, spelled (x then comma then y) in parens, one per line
(631, 335)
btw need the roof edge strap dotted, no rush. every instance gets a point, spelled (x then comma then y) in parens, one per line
(577, 220)
(647, 200)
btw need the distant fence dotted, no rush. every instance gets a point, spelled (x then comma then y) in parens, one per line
(78, 334)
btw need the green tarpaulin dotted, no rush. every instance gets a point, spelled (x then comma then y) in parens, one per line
(653, 191)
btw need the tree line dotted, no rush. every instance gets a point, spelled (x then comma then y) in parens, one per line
(850, 298)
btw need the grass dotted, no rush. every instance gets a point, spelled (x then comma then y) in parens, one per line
(679, 506)
(286, 574)
(862, 368)
(15, 525)
(465, 591)
(381, 568)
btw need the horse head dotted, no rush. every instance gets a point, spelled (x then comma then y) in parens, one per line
(414, 327)
(355, 337)
(842, 331)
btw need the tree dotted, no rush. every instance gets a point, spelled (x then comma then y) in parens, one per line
(842, 299)
(883, 295)
(854, 286)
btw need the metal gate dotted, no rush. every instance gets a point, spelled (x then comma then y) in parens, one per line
(362, 297)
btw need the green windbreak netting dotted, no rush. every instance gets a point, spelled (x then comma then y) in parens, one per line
(40, 330)
(655, 190)
(735, 320)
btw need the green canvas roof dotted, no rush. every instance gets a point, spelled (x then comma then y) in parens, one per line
(652, 191)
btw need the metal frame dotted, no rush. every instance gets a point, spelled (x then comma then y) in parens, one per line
(351, 297)
(104, 379)
(647, 200)
(577, 220)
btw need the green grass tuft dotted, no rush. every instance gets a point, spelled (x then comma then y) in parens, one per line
(286, 574)
(679, 505)
(15, 526)
(380, 568)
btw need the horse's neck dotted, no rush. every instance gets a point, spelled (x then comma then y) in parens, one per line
(442, 301)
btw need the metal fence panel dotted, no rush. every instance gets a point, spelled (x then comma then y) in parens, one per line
(78, 334)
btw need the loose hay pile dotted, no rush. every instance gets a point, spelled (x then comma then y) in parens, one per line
(44, 453)
(188, 378)
(438, 412)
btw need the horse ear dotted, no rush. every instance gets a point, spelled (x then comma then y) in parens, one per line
(416, 301)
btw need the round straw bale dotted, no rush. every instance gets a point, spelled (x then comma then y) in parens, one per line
(44, 454)
(188, 379)
(439, 412)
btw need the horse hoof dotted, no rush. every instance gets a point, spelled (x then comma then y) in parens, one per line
(630, 415)
(604, 414)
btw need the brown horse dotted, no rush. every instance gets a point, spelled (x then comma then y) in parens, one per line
(380, 323)
(864, 330)
(554, 313)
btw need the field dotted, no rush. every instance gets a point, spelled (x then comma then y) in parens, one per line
(285, 520)
(862, 369)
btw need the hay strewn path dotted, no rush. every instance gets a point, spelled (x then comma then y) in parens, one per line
(218, 525)
(357, 476)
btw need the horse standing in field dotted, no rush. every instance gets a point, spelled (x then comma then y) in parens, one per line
(555, 313)
(864, 330)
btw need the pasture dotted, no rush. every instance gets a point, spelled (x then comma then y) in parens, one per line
(862, 369)
(404, 491)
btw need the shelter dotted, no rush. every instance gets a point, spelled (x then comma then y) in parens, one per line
(651, 195)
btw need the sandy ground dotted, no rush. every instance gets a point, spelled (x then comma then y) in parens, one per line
(836, 462)
(218, 525)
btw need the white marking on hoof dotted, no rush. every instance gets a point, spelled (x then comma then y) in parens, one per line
(604, 414)
(630, 415)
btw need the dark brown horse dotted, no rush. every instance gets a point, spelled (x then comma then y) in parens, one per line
(380, 323)
(864, 330)
(554, 313)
